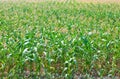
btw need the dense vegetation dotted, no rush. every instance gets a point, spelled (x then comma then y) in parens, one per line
(59, 40)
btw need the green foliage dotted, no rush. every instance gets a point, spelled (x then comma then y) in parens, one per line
(59, 40)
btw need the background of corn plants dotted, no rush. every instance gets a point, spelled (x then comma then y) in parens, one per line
(57, 40)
